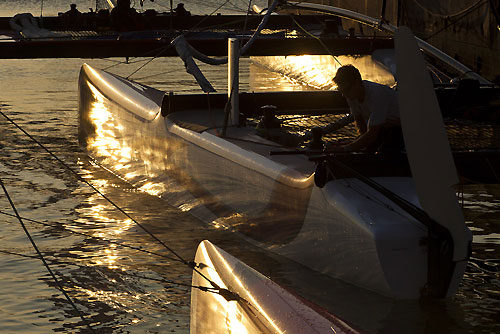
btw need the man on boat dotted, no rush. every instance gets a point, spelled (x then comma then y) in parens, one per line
(180, 10)
(125, 18)
(72, 17)
(373, 107)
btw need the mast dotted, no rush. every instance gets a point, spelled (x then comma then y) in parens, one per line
(233, 78)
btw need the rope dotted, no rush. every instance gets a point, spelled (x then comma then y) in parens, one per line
(170, 45)
(119, 243)
(146, 63)
(317, 38)
(449, 15)
(81, 179)
(43, 259)
(457, 20)
(190, 264)
(162, 49)
(157, 74)
(122, 273)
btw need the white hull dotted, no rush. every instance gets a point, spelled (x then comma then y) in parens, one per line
(346, 229)
(264, 307)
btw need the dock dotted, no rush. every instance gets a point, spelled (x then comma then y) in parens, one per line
(94, 37)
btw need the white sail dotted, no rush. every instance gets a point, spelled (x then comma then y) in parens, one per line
(426, 142)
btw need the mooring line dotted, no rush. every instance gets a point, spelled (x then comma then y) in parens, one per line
(81, 179)
(190, 264)
(43, 259)
(59, 226)
(119, 271)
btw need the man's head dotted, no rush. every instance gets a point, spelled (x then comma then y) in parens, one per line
(72, 6)
(348, 80)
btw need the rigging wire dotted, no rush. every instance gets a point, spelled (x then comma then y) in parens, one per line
(464, 15)
(80, 178)
(121, 272)
(40, 255)
(246, 16)
(156, 74)
(317, 38)
(443, 16)
(190, 264)
(149, 61)
(109, 241)
(162, 49)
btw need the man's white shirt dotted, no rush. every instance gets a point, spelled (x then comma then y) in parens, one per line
(380, 105)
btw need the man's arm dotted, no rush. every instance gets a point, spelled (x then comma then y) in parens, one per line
(346, 120)
(360, 123)
(365, 140)
(337, 124)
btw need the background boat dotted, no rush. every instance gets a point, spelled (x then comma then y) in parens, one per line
(465, 29)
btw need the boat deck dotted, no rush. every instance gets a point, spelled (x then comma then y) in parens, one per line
(463, 134)
(246, 137)
(475, 145)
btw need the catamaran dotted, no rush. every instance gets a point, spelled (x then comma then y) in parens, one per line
(397, 231)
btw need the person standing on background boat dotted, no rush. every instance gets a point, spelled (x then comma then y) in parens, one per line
(180, 10)
(375, 110)
(125, 18)
(72, 12)
(72, 18)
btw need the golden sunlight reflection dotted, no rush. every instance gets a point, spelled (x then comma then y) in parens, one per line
(98, 218)
(105, 141)
(130, 101)
(110, 145)
(233, 319)
(317, 71)
(225, 222)
(152, 188)
(234, 315)
(185, 207)
(250, 298)
(131, 175)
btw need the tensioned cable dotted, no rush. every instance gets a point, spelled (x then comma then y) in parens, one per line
(114, 242)
(317, 38)
(80, 178)
(156, 74)
(43, 259)
(123, 273)
(163, 49)
(246, 16)
(460, 12)
(464, 15)
(149, 61)
(190, 264)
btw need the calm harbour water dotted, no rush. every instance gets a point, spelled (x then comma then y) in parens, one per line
(41, 96)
